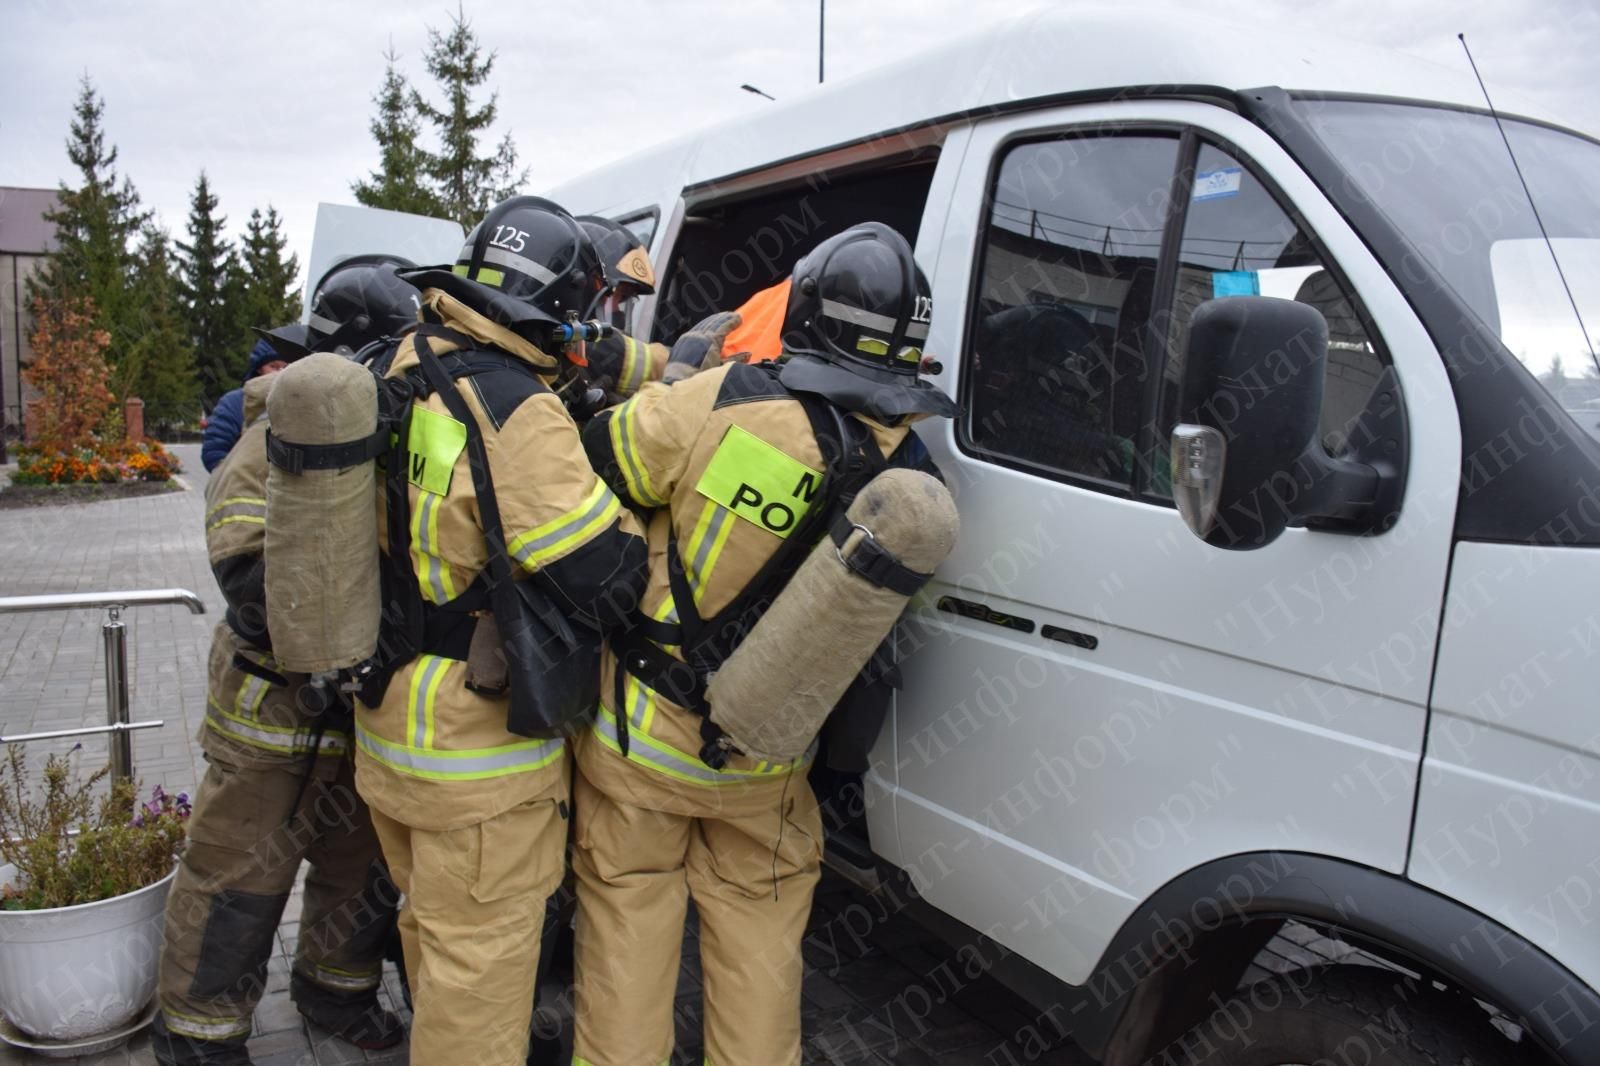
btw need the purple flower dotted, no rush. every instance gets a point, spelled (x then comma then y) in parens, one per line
(138, 820)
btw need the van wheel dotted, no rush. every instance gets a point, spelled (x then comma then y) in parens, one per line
(1348, 1014)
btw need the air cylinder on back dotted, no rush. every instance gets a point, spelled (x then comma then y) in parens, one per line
(321, 539)
(774, 692)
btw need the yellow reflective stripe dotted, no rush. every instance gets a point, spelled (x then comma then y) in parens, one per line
(259, 501)
(471, 764)
(247, 702)
(341, 980)
(634, 476)
(425, 680)
(635, 361)
(433, 572)
(269, 737)
(681, 766)
(557, 537)
(206, 1028)
(705, 546)
(248, 519)
(641, 703)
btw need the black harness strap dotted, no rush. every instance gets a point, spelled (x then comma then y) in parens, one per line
(872, 562)
(298, 458)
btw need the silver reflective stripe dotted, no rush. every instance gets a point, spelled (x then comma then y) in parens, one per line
(342, 981)
(462, 765)
(201, 1029)
(432, 566)
(917, 331)
(869, 319)
(511, 260)
(641, 703)
(248, 702)
(323, 325)
(602, 501)
(697, 573)
(633, 471)
(431, 665)
(289, 741)
(646, 749)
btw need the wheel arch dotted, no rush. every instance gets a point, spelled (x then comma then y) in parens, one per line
(1198, 933)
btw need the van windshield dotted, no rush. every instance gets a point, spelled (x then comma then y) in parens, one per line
(1444, 179)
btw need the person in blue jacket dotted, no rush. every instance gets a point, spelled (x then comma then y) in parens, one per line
(227, 418)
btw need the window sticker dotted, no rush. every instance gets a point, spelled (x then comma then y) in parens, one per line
(1217, 184)
(1235, 283)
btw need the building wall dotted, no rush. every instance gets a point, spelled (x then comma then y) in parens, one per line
(15, 352)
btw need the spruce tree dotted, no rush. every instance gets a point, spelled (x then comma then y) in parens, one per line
(270, 279)
(159, 365)
(210, 289)
(467, 184)
(399, 183)
(96, 223)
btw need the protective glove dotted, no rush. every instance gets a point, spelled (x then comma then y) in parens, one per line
(701, 347)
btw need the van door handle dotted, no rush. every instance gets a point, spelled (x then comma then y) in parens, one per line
(982, 613)
(1070, 636)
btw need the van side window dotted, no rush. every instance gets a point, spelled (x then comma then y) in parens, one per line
(1238, 241)
(642, 225)
(1056, 375)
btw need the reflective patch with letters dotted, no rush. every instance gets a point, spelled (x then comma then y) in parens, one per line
(434, 444)
(759, 483)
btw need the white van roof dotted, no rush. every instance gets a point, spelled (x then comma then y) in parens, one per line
(1032, 58)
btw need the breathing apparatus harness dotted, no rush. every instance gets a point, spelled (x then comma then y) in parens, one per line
(851, 458)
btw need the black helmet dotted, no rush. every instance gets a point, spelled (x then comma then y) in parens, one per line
(623, 258)
(858, 314)
(528, 263)
(360, 299)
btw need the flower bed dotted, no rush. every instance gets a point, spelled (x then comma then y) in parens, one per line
(105, 463)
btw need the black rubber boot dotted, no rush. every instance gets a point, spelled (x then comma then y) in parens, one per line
(173, 1050)
(357, 1018)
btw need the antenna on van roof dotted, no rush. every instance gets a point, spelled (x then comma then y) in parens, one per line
(1548, 243)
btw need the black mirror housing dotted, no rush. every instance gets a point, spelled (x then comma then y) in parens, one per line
(1247, 461)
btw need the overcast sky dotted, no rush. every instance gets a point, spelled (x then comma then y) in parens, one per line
(273, 100)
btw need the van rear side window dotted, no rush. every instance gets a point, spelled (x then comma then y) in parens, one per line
(727, 252)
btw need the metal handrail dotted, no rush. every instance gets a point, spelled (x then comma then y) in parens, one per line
(115, 637)
(66, 601)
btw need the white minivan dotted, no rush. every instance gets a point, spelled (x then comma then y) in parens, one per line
(1348, 683)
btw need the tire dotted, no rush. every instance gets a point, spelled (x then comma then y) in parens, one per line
(1349, 1016)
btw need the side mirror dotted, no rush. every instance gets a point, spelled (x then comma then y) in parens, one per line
(1246, 459)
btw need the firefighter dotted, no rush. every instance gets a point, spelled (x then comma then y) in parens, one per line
(621, 362)
(279, 784)
(473, 818)
(737, 466)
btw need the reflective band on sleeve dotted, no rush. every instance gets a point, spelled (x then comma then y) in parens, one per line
(206, 1028)
(252, 509)
(471, 764)
(640, 703)
(635, 361)
(433, 573)
(857, 316)
(681, 766)
(279, 739)
(634, 476)
(705, 547)
(512, 261)
(578, 526)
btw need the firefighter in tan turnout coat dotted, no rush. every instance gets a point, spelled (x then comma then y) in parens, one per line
(728, 463)
(473, 818)
(279, 786)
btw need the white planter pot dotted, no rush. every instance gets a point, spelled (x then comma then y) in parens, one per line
(74, 972)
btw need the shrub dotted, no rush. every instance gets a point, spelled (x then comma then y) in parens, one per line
(69, 847)
(146, 460)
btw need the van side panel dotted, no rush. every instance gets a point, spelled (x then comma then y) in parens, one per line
(1508, 820)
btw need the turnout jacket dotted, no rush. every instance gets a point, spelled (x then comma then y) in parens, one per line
(725, 463)
(254, 716)
(434, 754)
